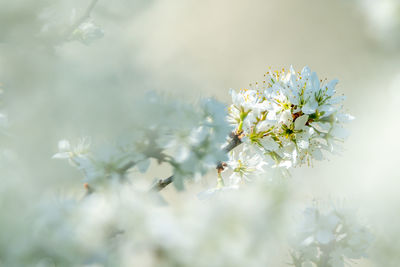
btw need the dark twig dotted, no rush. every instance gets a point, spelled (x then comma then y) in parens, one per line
(162, 183)
(234, 142)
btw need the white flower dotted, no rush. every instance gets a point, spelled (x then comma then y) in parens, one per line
(65, 151)
(245, 99)
(189, 136)
(293, 116)
(245, 165)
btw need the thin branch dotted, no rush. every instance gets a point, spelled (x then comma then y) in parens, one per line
(234, 142)
(79, 21)
(162, 183)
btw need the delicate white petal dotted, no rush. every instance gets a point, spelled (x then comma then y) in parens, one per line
(286, 117)
(264, 126)
(310, 107)
(339, 132)
(323, 127)
(269, 144)
(300, 122)
(62, 155)
(331, 87)
(303, 144)
(64, 146)
(324, 236)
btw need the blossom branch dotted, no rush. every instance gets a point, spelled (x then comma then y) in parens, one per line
(234, 142)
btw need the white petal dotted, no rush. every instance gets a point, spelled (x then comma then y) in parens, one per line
(303, 144)
(235, 179)
(342, 117)
(315, 82)
(64, 146)
(271, 116)
(286, 117)
(324, 237)
(269, 144)
(321, 126)
(300, 122)
(182, 153)
(305, 72)
(310, 106)
(331, 87)
(61, 155)
(198, 135)
(263, 126)
(327, 109)
(331, 221)
(339, 132)
(317, 154)
(336, 100)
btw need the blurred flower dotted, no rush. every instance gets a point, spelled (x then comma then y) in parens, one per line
(87, 32)
(188, 137)
(330, 237)
(125, 228)
(65, 151)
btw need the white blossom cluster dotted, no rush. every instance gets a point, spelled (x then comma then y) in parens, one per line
(287, 120)
(330, 237)
(188, 137)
